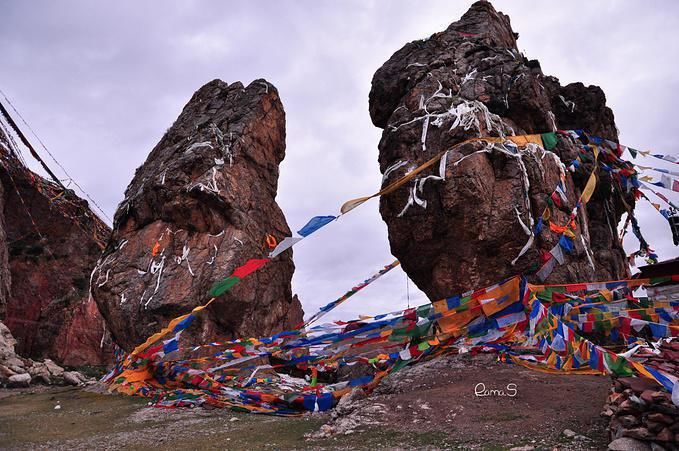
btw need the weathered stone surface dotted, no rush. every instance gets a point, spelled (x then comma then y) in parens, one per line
(628, 444)
(8, 357)
(660, 418)
(639, 433)
(468, 81)
(200, 206)
(647, 396)
(628, 420)
(638, 384)
(53, 241)
(74, 378)
(19, 380)
(649, 419)
(665, 435)
(40, 374)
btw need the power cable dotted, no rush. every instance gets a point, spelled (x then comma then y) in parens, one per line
(48, 152)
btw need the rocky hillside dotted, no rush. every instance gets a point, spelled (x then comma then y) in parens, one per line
(464, 225)
(201, 205)
(49, 243)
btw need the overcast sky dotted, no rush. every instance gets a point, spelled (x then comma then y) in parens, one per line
(100, 82)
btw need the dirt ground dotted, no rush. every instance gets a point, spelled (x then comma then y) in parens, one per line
(429, 406)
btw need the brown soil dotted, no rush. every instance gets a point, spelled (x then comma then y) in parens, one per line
(439, 398)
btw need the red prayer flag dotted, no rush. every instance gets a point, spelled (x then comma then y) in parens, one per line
(675, 185)
(576, 287)
(625, 324)
(558, 297)
(249, 267)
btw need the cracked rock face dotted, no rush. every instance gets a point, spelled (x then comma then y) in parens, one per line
(466, 231)
(49, 243)
(201, 205)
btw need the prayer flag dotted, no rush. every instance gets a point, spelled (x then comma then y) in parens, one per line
(549, 140)
(284, 245)
(314, 224)
(249, 267)
(223, 286)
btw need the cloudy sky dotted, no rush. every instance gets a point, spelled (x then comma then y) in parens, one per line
(100, 82)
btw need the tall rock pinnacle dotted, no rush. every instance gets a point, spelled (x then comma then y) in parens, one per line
(201, 205)
(467, 230)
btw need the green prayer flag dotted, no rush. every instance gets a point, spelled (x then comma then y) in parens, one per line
(657, 280)
(633, 152)
(399, 365)
(618, 366)
(423, 346)
(223, 286)
(424, 311)
(549, 140)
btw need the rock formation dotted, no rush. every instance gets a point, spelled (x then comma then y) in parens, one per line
(17, 372)
(48, 247)
(640, 411)
(202, 204)
(463, 232)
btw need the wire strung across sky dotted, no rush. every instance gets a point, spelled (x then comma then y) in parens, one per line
(71, 179)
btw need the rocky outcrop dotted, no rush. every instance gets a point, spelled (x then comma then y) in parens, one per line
(53, 240)
(642, 411)
(202, 204)
(463, 232)
(18, 372)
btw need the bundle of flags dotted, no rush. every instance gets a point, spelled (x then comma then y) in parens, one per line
(543, 327)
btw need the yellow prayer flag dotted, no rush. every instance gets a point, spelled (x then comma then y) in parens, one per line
(523, 140)
(157, 336)
(589, 188)
(500, 297)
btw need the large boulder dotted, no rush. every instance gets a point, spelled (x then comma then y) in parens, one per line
(201, 205)
(463, 232)
(50, 241)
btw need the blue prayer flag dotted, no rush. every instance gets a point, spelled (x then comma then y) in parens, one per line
(314, 224)
(170, 346)
(566, 244)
